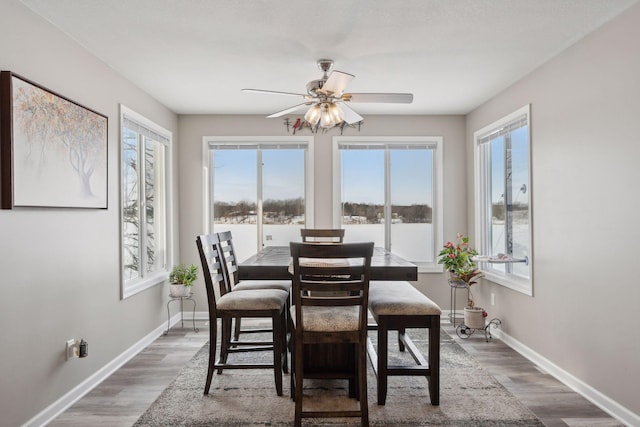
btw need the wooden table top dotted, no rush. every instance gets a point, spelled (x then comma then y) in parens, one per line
(272, 262)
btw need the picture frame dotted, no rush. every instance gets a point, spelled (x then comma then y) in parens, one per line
(53, 151)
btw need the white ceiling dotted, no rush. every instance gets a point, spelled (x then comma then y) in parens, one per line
(195, 56)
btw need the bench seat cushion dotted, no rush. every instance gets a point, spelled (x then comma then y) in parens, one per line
(397, 298)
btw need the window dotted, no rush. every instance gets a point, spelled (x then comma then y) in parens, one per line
(389, 190)
(145, 196)
(503, 199)
(261, 190)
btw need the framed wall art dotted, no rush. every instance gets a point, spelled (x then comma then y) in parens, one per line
(53, 151)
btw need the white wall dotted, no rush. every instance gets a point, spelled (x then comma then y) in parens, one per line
(585, 105)
(194, 127)
(60, 267)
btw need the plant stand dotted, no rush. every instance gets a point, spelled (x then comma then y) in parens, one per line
(182, 298)
(453, 314)
(463, 331)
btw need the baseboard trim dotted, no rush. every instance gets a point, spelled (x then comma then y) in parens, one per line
(602, 401)
(59, 406)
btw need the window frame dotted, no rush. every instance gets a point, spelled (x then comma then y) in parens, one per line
(483, 211)
(284, 141)
(148, 280)
(437, 220)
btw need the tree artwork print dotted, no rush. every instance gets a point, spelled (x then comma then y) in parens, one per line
(60, 150)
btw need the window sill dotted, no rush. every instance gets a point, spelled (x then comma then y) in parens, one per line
(138, 285)
(429, 267)
(510, 281)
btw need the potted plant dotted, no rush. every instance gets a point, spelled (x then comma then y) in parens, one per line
(181, 279)
(458, 260)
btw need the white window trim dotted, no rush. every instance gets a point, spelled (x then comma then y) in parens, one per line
(437, 213)
(132, 287)
(511, 281)
(207, 177)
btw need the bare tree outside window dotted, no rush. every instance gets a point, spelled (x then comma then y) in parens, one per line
(143, 203)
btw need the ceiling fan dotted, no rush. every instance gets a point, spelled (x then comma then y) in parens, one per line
(328, 100)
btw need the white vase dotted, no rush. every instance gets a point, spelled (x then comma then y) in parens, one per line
(179, 290)
(473, 317)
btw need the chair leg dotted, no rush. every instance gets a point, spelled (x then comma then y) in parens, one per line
(353, 382)
(298, 380)
(236, 331)
(213, 339)
(285, 349)
(276, 324)
(225, 341)
(382, 360)
(401, 331)
(434, 360)
(362, 383)
(292, 347)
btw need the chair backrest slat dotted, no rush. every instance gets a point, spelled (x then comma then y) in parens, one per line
(309, 285)
(343, 301)
(322, 235)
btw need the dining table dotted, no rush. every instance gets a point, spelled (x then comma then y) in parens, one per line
(274, 262)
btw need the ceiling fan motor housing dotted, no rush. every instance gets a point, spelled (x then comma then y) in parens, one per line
(325, 65)
(314, 85)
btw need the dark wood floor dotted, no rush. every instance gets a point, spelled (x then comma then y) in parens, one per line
(124, 396)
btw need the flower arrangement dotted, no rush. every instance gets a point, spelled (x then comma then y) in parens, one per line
(458, 260)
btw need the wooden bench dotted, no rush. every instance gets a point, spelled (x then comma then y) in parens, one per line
(397, 306)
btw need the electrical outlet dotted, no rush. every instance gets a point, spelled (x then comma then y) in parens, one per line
(72, 349)
(493, 298)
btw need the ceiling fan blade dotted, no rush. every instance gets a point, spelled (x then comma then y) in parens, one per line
(395, 98)
(336, 83)
(275, 92)
(289, 110)
(350, 116)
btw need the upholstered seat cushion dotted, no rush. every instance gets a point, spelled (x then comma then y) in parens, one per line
(328, 319)
(259, 299)
(244, 285)
(399, 298)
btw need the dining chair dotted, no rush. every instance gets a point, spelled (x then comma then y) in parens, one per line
(330, 297)
(226, 305)
(322, 235)
(231, 263)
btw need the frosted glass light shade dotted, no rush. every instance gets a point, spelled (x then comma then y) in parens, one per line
(327, 113)
(313, 114)
(331, 115)
(336, 112)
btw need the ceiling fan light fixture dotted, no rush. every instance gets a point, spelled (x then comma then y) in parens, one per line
(336, 112)
(326, 93)
(313, 114)
(331, 116)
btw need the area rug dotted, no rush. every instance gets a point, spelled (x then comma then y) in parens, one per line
(469, 396)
